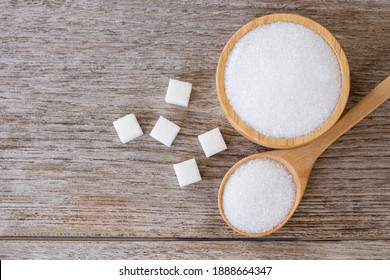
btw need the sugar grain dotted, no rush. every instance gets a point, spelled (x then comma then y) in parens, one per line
(283, 79)
(259, 195)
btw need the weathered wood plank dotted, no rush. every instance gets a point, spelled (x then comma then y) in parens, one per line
(379, 249)
(67, 70)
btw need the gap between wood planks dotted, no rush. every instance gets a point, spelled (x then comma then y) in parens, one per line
(174, 239)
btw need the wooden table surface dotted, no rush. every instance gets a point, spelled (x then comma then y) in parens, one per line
(70, 189)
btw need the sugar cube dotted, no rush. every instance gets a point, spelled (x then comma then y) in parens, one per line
(187, 172)
(178, 93)
(212, 142)
(127, 128)
(165, 131)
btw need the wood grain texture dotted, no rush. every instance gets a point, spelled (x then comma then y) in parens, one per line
(69, 68)
(157, 250)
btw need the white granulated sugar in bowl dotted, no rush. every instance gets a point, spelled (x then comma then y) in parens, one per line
(258, 195)
(283, 79)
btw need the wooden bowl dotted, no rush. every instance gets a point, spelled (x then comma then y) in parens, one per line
(251, 133)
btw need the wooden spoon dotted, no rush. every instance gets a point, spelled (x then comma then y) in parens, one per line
(299, 161)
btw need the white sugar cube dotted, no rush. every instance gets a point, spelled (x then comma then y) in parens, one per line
(212, 142)
(165, 131)
(187, 172)
(178, 93)
(127, 128)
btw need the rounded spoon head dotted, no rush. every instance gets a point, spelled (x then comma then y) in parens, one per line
(299, 182)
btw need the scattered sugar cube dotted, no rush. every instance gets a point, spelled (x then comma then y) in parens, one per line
(187, 172)
(178, 93)
(212, 142)
(127, 128)
(165, 131)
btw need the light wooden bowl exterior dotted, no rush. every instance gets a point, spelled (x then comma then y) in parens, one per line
(249, 132)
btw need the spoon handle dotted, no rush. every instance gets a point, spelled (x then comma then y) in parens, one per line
(369, 103)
